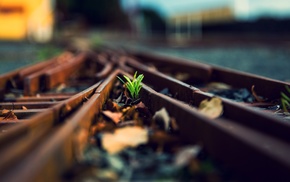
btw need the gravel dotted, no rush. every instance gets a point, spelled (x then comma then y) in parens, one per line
(14, 55)
(265, 60)
(272, 62)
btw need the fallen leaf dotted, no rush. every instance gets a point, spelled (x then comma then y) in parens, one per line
(60, 87)
(127, 123)
(114, 116)
(174, 124)
(123, 138)
(212, 108)
(183, 157)
(182, 76)
(10, 116)
(218, 85)
(143, 112)
(255, 95)
(162, 137)
(112, 106)
(140, 105)
(129, 113)
(161, 118)
(102, 126)
(5, 111)
(152, 67)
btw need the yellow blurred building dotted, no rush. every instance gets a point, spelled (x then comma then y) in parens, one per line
(26, 19)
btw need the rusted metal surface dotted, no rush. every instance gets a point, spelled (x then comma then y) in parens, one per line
(267, 87)
(66, 140)
(53, 131)
(53, 74)
(39, 125)
(27, 105)
(60, 74)
(38, 99)
(15, 78)
(233, 111)
(249, 152)
(42, 113)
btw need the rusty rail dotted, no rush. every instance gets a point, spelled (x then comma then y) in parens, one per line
(54, 128)
(33, 123)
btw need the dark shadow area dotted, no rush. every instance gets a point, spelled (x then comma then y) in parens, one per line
(261, 27)
(154, 21)
(101, 13)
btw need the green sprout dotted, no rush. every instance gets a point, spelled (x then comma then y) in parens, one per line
(133, 86)
(285, 100)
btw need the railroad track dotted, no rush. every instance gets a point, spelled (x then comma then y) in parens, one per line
(55, 103)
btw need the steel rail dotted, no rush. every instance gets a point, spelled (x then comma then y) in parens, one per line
(251, 143)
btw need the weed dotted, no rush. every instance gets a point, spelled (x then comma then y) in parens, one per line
(285, 100)
(134, 86)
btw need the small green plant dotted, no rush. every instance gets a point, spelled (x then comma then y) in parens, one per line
(285, 100)
(133, 86)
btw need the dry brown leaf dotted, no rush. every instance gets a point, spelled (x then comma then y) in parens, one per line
(129, 113)
(5, 111)
(112, 106)
(60, 87)
(162, 118)
(182, 76)
(142, 110)
(258, 98)
(162, 137)
(10, 116)
(152, 67)
(174, 124)
(127, 123)
(184, 156)
(102, 126)
(218, 85)
(212, 108)
(140, 105)
(114, 116)
(130, 136)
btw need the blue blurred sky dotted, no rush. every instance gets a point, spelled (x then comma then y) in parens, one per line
(244, 9)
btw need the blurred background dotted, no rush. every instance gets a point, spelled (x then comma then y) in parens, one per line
(251, 36)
